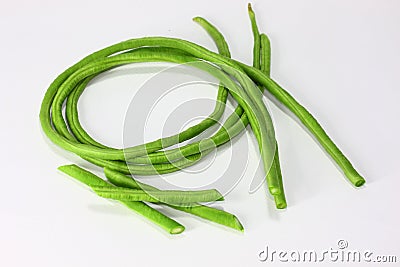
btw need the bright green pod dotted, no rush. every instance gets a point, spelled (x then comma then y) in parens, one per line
(175, 197)
(202, 211)
(89, 179)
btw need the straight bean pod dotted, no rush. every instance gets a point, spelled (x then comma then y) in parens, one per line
(202, 211)
(89, 179)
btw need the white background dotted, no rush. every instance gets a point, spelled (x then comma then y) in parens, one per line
(339, 58)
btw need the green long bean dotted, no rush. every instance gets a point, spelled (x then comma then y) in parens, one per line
(245, 83)
(176, 197)
(261, 60)
(88, 178)
(205, 212)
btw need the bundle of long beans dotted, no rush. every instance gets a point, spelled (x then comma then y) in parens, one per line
(245, 83)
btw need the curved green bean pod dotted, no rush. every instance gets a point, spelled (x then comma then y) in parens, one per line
(245, 83)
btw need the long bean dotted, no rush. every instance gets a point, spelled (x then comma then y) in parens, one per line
(88, 178)
(309, 122)
(176, 197)
(245, 83)
(261, 55)
(205, 212)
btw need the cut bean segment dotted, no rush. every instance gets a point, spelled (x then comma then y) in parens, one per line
(205, 212)
(90, 179)
(176, 197)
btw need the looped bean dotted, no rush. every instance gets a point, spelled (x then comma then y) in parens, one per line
(144, 50)
(245, 83)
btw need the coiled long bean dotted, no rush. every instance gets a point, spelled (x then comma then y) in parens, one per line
(245, 83)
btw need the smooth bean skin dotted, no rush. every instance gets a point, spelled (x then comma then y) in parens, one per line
(245, 83)
(90, 179)
(62, 137)
(175, 197)
(202, 211)
(262, 61)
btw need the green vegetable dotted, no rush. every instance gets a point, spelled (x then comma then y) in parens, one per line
(245, 83)
(205, 212)
(262, 61)
(141, 208)
(175, 197)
